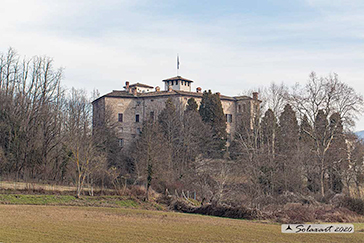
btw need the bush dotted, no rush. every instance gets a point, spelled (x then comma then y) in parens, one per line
(353, 204)
(226, 211)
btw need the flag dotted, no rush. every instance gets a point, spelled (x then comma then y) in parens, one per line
(177, 62)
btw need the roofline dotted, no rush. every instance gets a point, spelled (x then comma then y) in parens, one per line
(174, 92)
(140, 85)
(178, 78)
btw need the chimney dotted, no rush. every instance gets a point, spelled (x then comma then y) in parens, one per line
(157, 89)
(198, 89)
(255, 95)
(135, 91)
(170, 88)
(127, 85)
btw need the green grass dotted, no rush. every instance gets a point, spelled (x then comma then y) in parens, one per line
(30, 223)
(35, 199)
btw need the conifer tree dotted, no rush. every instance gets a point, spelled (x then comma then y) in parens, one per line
(287, 146)
(269, 137)
(337, 154)
(196, 134)
(269, 132)
(212, 114)
(307, 157)
(191, 105)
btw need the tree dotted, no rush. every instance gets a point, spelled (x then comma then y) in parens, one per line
(84, 152)
(355, 172)
(319, 99)
(289, 168)
(270, 131)
(328, 94)
(337, 155)
(212, 114)
(31, 103)
(151, 153)
(170, 125)
(306, 155)
(196, 137)
(191, 105)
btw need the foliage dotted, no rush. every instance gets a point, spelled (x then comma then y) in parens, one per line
(212, 114)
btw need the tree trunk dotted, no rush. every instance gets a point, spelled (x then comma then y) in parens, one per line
(322, 182)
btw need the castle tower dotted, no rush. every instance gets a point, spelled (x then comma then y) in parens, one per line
(178, 83)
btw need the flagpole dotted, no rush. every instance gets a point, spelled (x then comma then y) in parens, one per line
(177, 64)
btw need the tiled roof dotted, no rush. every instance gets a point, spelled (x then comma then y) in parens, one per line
(178, 78)
(141, 85)
(124, 94)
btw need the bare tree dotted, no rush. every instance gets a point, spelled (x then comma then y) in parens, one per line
(319, 99)
(80, 142)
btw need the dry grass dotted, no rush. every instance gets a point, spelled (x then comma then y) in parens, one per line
(26, 223)
(34, 186)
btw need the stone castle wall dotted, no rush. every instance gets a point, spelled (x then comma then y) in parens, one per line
(129, 128)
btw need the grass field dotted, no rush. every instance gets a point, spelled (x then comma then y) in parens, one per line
(30, 223)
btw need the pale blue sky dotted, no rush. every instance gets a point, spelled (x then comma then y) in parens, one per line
(226, 46)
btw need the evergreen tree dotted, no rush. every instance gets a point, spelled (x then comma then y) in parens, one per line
(337, 154)
(287, 146)
(212, 114)
(305, 131)
(191, 105)
(196, 137)
(269, 132)
(306, 155)
(268, 144)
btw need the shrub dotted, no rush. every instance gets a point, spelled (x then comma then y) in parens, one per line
(353, 204)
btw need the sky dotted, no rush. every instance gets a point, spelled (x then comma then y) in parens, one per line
(226, 46)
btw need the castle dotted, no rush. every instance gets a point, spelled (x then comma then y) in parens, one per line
(140, 102)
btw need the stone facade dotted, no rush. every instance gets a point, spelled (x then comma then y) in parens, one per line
(133, 105)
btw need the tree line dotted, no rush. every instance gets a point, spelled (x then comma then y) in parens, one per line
(299, 142)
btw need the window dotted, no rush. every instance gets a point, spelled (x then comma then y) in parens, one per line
(176, 82)
(120, 117)
(121, 142)
(137, 118)
(152, 115)
(239, 108)
(229, 118)
(244, 108)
